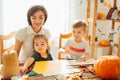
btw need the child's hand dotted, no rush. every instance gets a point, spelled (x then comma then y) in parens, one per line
(61, 50)
(23, 70)
(82, 58)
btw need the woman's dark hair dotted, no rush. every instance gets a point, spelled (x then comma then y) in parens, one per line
(34, 9)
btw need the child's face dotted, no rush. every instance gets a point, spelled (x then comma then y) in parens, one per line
(40, 45)
(78, 33)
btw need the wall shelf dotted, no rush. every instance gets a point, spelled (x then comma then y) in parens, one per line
(94, 26)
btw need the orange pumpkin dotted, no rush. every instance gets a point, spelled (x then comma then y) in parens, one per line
(101, 15)
(108, 67)
(104, 43)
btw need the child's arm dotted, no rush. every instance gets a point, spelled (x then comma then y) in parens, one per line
(63, 50)
(65, 53)
(26, 65)
(84, 57)
(87, 55)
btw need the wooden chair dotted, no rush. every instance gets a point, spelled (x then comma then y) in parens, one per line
(6, 38)
(63, 36)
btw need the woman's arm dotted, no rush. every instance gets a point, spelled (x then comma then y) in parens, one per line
(18, 45)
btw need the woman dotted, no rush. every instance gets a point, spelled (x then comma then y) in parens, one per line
(36, 16)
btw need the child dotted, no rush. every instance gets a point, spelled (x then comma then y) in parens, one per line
(41, 52)
(77, 46)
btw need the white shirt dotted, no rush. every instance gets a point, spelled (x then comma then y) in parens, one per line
(77, 49)
(26, 35)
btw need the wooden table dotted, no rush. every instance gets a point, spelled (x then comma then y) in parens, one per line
(57, 66)
(63, 68)
(53, 70)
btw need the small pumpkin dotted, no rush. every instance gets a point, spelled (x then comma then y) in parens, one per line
(10, 64)
(104, 42)
(101, 15)
(108, 67)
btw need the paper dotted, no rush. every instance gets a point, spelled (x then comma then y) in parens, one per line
(50, 67)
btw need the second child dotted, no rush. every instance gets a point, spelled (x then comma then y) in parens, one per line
(77, 46)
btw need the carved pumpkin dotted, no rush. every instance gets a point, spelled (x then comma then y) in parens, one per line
(104, 43)
(10, 64)
(108, 67)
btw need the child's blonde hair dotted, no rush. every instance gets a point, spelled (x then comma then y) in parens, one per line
(80, 24)
(45, 38)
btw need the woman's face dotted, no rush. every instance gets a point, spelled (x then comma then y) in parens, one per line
(37, 20)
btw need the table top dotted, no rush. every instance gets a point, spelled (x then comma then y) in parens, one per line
(63, 70)
(57, 66)
(59, 69)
